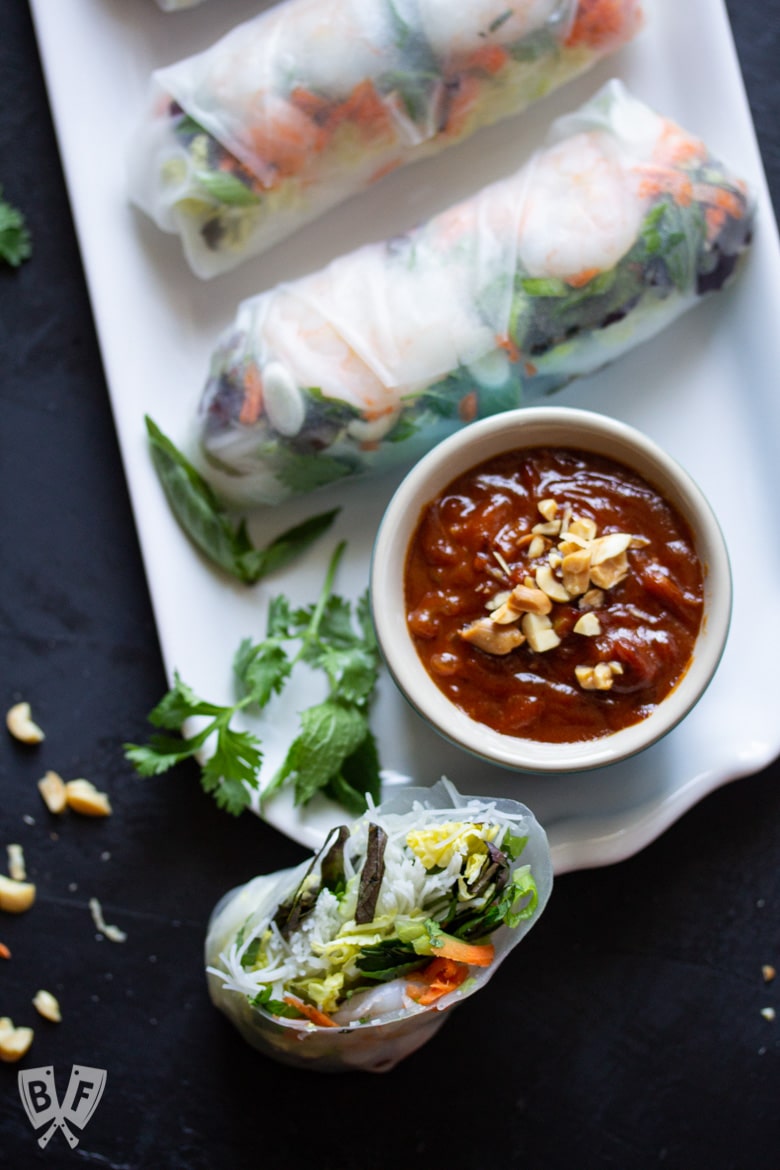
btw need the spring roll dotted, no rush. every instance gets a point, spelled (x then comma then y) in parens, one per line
(314, 100)
(613, 230)
(354, 959)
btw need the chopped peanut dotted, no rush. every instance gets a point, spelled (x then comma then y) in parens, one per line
(15, 897)
(83, 797)
(599, 677)
(593, 599)
(550, 528)
(539, 631)
(581, 566)
(52, 789)
(610, 572)
(20, 723)
(582, 527)
(575, 572)
(528, 599)
(492, 638)
(47, 1006)
(16, 865)
(588, 625)
(14, 1042)
(111, 932)
(549, 584)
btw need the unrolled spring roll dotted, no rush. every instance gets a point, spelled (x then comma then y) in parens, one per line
(353, 960)
(313, 100)
(620, 224)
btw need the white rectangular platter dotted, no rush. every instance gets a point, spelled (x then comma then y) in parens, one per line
(705, 390)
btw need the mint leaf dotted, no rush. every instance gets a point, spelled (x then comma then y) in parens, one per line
(330, 732)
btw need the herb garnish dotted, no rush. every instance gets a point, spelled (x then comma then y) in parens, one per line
(15, 244)
(208, 525)
(335, 751)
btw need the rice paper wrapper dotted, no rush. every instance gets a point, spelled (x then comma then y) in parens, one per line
(385, 1024)
(314, 100)
(610, 232)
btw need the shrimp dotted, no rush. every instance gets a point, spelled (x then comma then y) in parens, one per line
(604, 24)
(316, 354)
(408, 320)
(452, 29)
(379, 1002)
(580, 216)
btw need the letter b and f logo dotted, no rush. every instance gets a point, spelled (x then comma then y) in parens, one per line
(39, 1097)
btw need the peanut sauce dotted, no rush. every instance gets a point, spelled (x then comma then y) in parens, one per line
(471, 549)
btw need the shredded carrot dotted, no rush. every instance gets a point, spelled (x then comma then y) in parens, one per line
(253, 396)
(371, 414)
(715, 218)
(530, 369)
(313, 1014)
(467, 407)
(601, 23)
(579, 279)
(287, 138)
(489, 58)
(675, 146)
(507, 344)
(727, 201)
(439, 977)
(365, 108)
(658, 180)
(369, 445)
(475, 954)
(313, 106)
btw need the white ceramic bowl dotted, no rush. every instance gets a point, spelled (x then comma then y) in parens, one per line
(514, 430)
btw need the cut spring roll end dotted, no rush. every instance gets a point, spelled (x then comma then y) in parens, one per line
(609, 233)
(353, 959)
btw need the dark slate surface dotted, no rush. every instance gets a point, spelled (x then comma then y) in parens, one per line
(628, 1035)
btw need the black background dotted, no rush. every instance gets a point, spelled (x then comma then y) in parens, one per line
(627, 1032)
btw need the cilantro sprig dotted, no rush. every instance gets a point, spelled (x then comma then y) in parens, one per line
(15, 243)
(334, 751)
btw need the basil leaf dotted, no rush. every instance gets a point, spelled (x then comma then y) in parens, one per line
(193, 503)
(205, 521)
(257, 563)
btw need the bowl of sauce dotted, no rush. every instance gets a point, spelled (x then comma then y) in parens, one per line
(550, 590)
